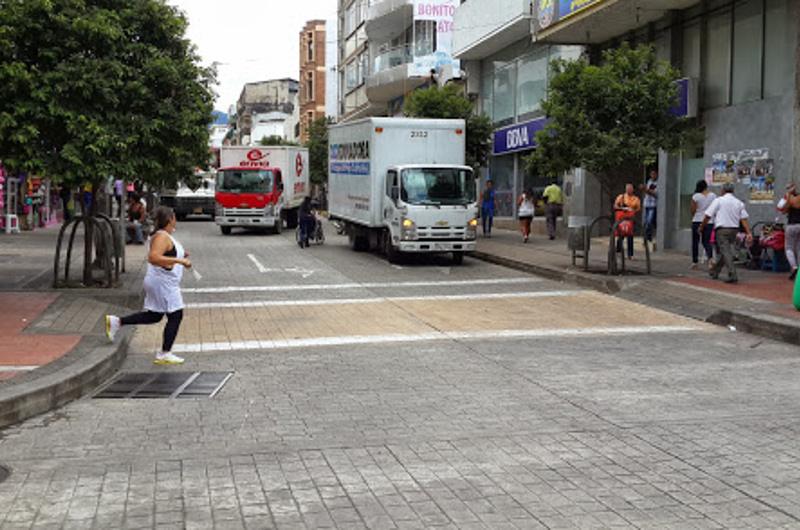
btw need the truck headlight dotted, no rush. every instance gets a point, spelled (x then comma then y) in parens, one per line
(409, 230)
(472, 229)
(473, 224)
(269, 210)
(219, 211)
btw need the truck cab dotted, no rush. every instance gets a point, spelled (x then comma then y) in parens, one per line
(249, 197)
(430, 208)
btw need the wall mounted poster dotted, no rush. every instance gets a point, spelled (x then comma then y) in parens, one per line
(752, 167)
(722, 168)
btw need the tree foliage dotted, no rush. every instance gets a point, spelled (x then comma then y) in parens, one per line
(274, 139)
(450, 102)
(317, 145)
(610, 118)
(93, 88)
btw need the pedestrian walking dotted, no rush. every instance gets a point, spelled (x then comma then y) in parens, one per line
(525, 210)
(487, 208)
(162, 287)
(626, 206)
(791, 207)
(650, 190)
(554, 204)
(701, 200)
(307, 221)
(728, 213)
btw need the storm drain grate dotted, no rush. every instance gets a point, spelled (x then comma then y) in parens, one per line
(4, 473)
(164, 385)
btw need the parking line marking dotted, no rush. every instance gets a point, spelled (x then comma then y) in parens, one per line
(425, 337)
(369, 285)
(383, 299)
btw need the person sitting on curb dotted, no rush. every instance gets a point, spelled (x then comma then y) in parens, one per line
(728, 213)
(137, 215)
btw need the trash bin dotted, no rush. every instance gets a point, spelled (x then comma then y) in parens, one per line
(576, 232)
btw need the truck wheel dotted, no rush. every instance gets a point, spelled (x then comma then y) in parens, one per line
(458, 258)
(226, 230)
(278, 227)
(391, 252)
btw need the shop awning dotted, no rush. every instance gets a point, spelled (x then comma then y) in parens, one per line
(597, 21)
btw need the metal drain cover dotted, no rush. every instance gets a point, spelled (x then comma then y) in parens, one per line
(164, 385)
(4, 473)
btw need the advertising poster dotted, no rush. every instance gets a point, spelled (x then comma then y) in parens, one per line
(722, 168)
(762, 181)
(436, 37)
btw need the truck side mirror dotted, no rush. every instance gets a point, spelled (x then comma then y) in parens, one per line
(205, 184)
(395, 193)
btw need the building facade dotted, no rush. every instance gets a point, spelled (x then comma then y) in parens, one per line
(387, 48)
(507, 74)
(313, 75)
(258, 105)
(741, 59)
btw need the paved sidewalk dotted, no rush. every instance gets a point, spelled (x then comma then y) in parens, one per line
(760, 302)
(52, 339)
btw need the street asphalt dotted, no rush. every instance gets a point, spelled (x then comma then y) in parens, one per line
(419, 395)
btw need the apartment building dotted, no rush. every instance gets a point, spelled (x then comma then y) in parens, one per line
(313, 75)
(387, 48)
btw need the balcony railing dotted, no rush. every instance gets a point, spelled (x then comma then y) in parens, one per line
(393, 57)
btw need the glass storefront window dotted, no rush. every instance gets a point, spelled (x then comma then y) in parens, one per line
(486, 94)
(503, 95)
(501, 170)
(716, 77)
(778, 60)
(747, 38)
(531, 83)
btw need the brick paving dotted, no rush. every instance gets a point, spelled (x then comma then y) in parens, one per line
(695, 429)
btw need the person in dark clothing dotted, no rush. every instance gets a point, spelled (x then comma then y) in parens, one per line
(307, 221)
(65, 194)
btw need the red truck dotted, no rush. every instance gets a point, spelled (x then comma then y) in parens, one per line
(260, 187)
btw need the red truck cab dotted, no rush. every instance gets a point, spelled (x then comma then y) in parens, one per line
(249, 197)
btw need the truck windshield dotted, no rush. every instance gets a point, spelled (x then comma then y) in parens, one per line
(437, 186)
(245, 181)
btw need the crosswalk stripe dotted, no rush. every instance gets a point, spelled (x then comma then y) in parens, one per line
(382, 299)
(371, 285)
(425, 337)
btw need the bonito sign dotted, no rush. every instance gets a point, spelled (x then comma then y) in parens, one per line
(441, 12)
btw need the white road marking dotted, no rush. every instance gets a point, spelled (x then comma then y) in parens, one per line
(259, 266)
(424, 337)
(382, 299)
(196, 274)
(305, 273)
(372, 285)
(15, 368)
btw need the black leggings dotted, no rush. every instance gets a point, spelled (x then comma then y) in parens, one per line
(151, 317)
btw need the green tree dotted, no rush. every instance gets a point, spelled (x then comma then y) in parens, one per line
(92, 88)
(450, 102)
(317, 145)
(274, 139)
(611, 118)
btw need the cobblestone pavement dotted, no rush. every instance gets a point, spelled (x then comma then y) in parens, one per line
(367, 395)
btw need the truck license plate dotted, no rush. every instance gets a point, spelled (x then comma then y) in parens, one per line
(439, 246)
(198, 210)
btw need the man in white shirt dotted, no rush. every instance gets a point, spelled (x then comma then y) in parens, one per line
(728, 213)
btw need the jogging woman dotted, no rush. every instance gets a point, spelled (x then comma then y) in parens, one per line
(162, 287)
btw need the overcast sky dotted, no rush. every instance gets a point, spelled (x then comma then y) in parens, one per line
(253, 40)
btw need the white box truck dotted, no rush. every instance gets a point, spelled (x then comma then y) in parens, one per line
(400, 185)
(260, 187)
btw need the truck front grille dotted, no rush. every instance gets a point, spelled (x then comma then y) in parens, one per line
(434, 233)
(245, 212)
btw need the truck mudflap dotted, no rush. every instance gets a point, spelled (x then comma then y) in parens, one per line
(437, 246)
(227, 220)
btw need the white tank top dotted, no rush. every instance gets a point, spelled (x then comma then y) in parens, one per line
(162, 287)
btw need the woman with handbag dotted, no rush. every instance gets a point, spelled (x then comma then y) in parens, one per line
(626, 207)
(525, 209)
(162, 287)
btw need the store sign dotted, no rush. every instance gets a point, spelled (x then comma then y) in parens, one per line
(441, 12)
(518, 137)
(549, 12)
(687, 98)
